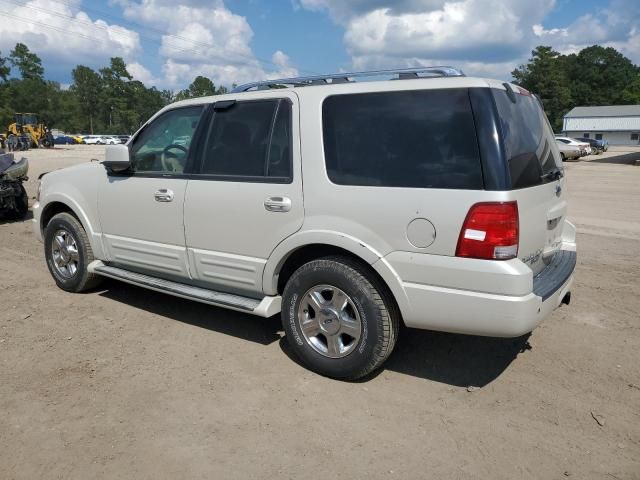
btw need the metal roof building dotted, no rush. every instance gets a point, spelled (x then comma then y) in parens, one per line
(618, 124)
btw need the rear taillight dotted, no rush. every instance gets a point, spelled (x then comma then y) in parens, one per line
(490, 231)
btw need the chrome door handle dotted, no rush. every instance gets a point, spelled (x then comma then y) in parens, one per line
(163, 195)
(277, 204)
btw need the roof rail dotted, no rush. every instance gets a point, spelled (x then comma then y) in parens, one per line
(343, 77)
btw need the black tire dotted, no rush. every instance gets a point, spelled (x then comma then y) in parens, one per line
(21, 206)
(82, 280)
(562, 156)
(379, 316)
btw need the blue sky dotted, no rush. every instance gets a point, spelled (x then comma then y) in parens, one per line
(167, 43)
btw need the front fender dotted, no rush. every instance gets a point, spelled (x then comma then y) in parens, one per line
(89, 226)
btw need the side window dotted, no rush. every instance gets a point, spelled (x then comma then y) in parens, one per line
(527, 136)
(413, 139)
(163, 146)
(250, 139)
(634, 136)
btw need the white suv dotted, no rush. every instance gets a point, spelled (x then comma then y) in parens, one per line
(432, 200)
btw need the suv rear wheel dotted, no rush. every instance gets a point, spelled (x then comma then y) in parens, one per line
(337, 318)
(68, 253)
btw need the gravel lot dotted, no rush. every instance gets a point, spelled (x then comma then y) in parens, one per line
(128, 383)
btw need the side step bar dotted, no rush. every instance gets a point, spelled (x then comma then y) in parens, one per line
(266, 307)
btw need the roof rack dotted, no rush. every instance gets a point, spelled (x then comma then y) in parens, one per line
(334, 78)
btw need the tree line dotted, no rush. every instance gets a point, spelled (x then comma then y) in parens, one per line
(106, 101)
(594, 76)
(109, 100)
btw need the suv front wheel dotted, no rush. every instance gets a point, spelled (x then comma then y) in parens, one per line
(68, 253)
(338, 319)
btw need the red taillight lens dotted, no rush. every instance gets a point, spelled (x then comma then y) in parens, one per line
(490, 231)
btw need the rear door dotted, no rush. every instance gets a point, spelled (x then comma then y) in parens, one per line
(537, 178)
(246, 195)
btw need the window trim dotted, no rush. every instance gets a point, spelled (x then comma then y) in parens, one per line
(199, 155)
(196, 138)
(349, 185)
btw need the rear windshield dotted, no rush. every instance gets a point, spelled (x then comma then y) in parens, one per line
(419, 139)
(527, 137)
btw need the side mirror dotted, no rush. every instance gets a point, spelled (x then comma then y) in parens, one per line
(117, 158)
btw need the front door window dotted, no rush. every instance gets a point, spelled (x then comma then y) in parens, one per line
(163, 146)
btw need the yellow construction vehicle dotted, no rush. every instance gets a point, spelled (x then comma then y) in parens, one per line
(26, 128)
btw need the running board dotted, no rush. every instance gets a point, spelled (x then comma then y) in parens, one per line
(266, 307)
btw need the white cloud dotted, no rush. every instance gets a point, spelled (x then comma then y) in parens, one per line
(141, 73)
(61, 31)
(617, 26)
(483, 37)
(480, 36)
(197, 37)
(204, 38)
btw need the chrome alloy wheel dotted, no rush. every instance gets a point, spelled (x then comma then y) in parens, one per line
(64, 253)
(329, 321)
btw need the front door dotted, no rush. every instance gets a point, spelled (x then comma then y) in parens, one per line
(141, 211)
(246, 195)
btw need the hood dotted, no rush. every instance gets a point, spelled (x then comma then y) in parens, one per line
(92, 165)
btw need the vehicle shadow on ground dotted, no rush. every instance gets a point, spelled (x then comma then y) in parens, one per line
(6, 220)
(624, 159)
(454, 359)
(459, 360)
(246, 327)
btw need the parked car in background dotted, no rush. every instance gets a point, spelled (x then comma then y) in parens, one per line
(584, 146)
(123, 138)
(351, 253)
(569, 152)
(111, 140)
(63, 140)
(92, 140)
(597, 146)
(78, 138)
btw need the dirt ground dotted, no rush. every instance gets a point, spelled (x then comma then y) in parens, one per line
(128, 383)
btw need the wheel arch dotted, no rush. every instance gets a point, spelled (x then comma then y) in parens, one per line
(58, 205)
(284, 261)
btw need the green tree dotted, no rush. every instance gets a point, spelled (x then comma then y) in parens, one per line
(545, 76)
(599, 75)
(145, 103)
(631, 93)
(116, 96)
(87, 85)
(28, 63)
(200, 87)
(167, 96)
(5, 69)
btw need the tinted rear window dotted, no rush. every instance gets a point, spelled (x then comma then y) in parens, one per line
(527, 138)
(420, 139)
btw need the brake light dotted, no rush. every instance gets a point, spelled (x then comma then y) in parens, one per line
(490, 231)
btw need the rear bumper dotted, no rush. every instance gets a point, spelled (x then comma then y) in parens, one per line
(490, 314)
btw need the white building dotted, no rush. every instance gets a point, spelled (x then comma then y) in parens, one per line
(618, 124)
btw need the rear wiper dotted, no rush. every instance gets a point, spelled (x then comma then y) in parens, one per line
(555, 174)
